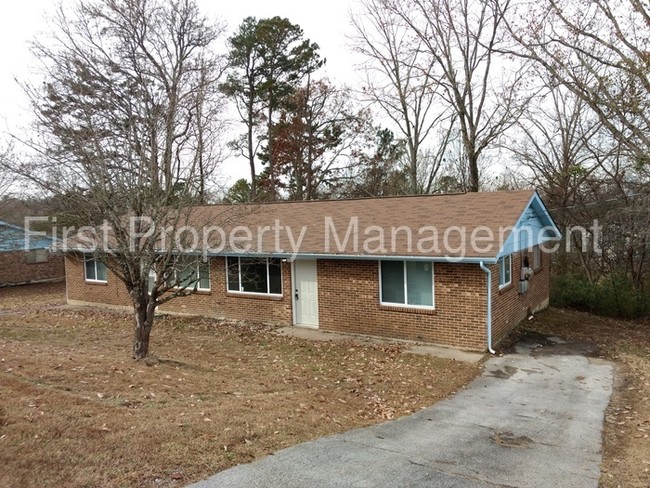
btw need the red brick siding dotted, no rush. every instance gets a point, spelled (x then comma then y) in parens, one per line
(14, 270)
(508, 306)
(348, 300)
(112, 292)
(214, 303)
(348, 296)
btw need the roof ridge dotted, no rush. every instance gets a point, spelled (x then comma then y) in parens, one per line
(13, 226)
(360, 199)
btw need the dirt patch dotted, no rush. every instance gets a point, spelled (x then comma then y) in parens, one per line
(504, 373)
(626, 436)
(508, 439)
(76, 411)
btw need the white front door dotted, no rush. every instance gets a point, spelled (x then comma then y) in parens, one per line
(305, 293)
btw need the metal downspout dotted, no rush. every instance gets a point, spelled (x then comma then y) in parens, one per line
(488, 272)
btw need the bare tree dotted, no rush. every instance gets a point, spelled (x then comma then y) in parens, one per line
(463, 38)
(401, 78)
(6, 178)
(558, 137)
(598, 50)
(595, 55)
(126, 119)
(561, 146)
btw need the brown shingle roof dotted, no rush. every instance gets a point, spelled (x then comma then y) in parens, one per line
(455, 215)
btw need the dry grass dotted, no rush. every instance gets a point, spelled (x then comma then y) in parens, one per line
(26, 298)
(626, 437)
(76, 411)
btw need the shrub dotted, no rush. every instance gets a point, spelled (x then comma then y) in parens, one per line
(611, 296)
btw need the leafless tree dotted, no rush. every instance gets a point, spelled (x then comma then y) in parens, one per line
(126, 120)
(463, 38)
(6, 178)
(557, 137)
(598, 49)
(559, 142)
(401, 78)
(593, 157)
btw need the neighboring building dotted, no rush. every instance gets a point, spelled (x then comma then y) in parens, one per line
(25, 257)
(466, 288)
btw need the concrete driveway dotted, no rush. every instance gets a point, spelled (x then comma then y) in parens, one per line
(533, 419)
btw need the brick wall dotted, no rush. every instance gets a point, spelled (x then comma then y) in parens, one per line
(348, 299)
(14, 270)
(217, 302)
(508, 306)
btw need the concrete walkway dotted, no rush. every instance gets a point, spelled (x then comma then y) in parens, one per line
(533, 419)
(412, 347)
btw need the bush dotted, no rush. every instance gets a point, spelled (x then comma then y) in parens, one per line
(611, 296)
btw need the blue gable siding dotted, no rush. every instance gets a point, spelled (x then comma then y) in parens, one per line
(535, 226)
(15, 238)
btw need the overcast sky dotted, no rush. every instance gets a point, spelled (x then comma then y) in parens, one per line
(20, 21)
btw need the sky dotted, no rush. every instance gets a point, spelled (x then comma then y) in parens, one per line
(325, 23)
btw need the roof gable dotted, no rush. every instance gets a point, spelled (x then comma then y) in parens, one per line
(16, 238)
(535, 226)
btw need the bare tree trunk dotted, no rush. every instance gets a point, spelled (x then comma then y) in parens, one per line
(144, 311)
(270, 143)
(473, 172)
(413, 168)
(251, 151)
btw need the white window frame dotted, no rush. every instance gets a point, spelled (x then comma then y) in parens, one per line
(268, 279)
(407, 305)
(96, 262)
(197, 276)
(197, 283)
(502, 260)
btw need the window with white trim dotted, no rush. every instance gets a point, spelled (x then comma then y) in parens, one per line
(188, 273)
(192, 274)
(537, 257)
(505, 271)
(95, 270)
(407, 283)
(254, 275)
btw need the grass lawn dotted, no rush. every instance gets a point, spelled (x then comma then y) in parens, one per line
(626, 437)
(76, 411)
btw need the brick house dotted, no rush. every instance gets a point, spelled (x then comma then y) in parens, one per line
(460, 270)
(25, 257)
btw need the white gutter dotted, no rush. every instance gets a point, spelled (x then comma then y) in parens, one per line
(364, 257)
(488, 272)
(361, 257)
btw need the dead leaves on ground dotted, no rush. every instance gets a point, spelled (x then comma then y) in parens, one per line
(220, 394)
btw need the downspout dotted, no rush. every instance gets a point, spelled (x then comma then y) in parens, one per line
(488, 272)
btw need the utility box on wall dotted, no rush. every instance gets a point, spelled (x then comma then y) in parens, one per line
(523, 286)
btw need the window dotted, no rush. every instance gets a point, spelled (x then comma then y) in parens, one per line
(36, 256)
(407, 283)
(187, 274)
(95, 270)
(254, 275)
(505, 271)
(537, 257)
(190, 274)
